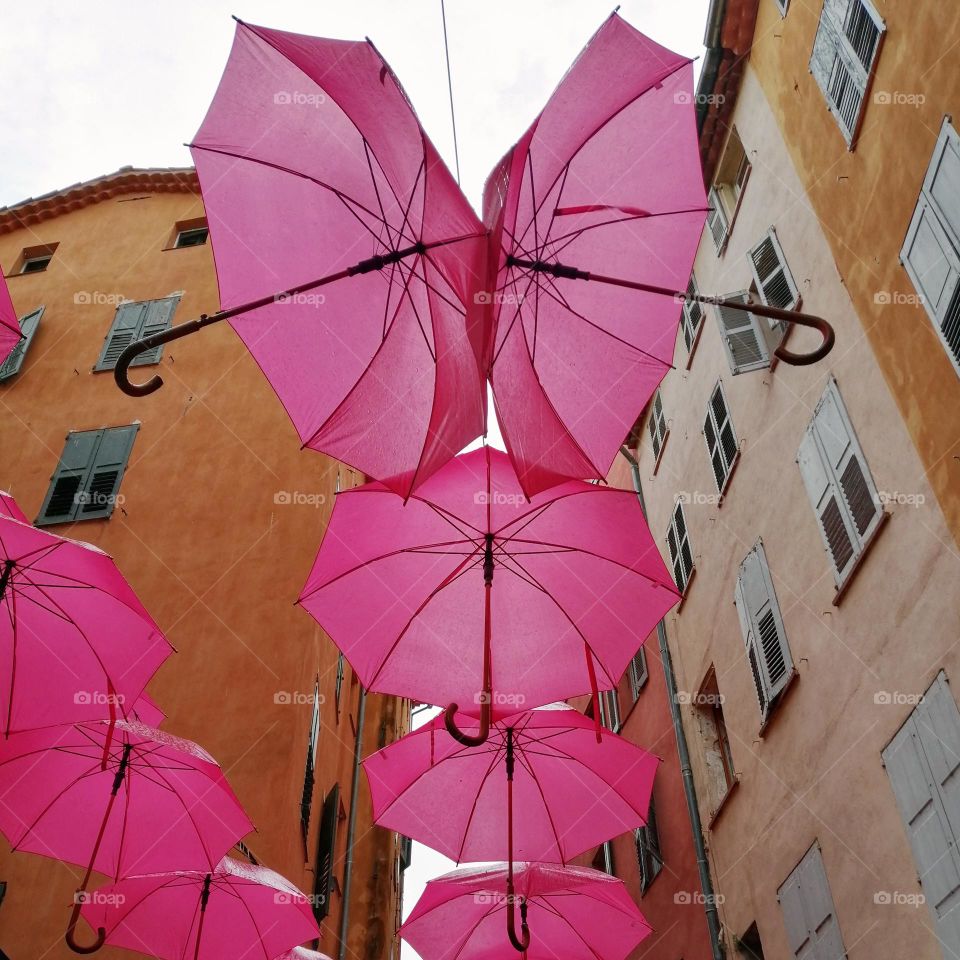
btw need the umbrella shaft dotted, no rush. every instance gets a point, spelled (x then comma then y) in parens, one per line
(5, 576)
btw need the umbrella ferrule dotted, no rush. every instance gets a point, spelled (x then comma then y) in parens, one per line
(554, 269)
(122, 769)
(488, 559)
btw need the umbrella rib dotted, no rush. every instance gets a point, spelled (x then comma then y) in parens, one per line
(520, 299)
(550, 908)
(528, 766)
(405, 292)
(476, 800)
(626, 218)
(376, 188)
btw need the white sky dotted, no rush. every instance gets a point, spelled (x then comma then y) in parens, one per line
(91, 87)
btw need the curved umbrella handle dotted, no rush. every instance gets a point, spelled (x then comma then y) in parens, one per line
(794, 316)
(467, 739)
(70, 936)
(523, 941)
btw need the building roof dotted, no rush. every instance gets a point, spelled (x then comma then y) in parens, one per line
(125, 180)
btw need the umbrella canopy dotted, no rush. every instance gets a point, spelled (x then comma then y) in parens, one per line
(75, 642)
(473, 596)
(571, 793)
(145, 710)
(9, 324)
(236, 911)
(572, 912)
(317, 178)
(607, 179)
(10, 508)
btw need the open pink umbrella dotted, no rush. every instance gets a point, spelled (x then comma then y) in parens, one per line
(10, 508)
(345, 254)
(75, 642)
(121, 800)
(470, 595)
(605, 184)
(571, 912)
(571, 793)
(237, 911)
(145, 710)
(10, 334)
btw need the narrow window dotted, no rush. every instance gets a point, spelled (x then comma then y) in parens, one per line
(14, 362)
(134, 321)
(720, 437)
(647, 840)
(678, 543)
(638, 673)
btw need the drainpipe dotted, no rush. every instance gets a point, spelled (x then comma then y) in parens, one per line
(686, 770)
(352, 824)
(711, 60)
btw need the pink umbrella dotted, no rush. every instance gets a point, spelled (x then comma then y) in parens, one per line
(301, 953)
(75, 642)
(145, 710)
(60, 786)
(571, 912)
(345, 254)
(10, 334)
(236, 912)
(571, 792)
(470, 595)
(607, 180)
(10, 508)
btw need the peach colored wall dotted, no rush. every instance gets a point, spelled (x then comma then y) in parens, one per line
(815, 772)
(214, 557)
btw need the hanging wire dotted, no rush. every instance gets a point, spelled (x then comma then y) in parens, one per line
(453, 116)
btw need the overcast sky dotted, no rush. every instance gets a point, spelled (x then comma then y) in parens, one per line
(91, 87)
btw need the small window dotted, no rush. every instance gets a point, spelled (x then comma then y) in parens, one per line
(717, 220)
(844, 54)
(929, 251)
(657, 426)
(610, 709)
(638, 673)
(86, 482)
(338, 689)
(35, 259)
(405, 851)
(647, 840)
(134, 321)
(761, 623)
(808, 911)
(748, 944)
(782, 6)
(718, 756)
(603, 859)
(720, 436)
(838, 483)
(36, 264)
(313, 739)
(191, 238)
(14, 362)
(733, 171)
(324, 879)
(692, 319)
(678, 543)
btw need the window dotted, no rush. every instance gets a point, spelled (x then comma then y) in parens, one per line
(742, 336)
(762, 626)
(733, 172)
(339, 683)
(36, 264)
(306, 798)
(657, 426)
(603, 859)
(717, 220)
(921, 762)
(930, 250)
(84, 486)
(326, 853)
(678, 543)
(844, 53)
(772, 279)
(638, 673)
(196, 237)
(692, 319)
(721, 440)
(405, 853)
(718, 756)
(838, 483)
(748, 944)
(647, 840)
(28, 327)
(782, 6)
(610, 709)
(134, 321)
(808, 912)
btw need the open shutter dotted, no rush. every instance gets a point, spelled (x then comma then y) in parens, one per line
(100, 491)
(28, 327)
(808, 911)
(750, 642)
(745, 345)
(720, 437)
(123, 331)
(772, 276)
(717, 219)
(657, 425)
(638, 673)
(678, 544)
(70, 478)
(692, 315)
(157, 317)
(326, 853)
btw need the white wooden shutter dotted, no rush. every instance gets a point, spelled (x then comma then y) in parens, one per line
(692, 315)
(762, 625)
(808, 911)
(930, 250)
(720, 437)
(922, 762)
(838, 482)
(678, 543)
(133, 321)
(775, 283)
(28, 327)
(745, 345)
(657, 425)
(717, 219)
(639, 673)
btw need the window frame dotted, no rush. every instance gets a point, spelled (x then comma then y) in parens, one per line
(691, 332)
(637, 680)
(189, 232)
(150, 321)
(679, 541)
(657, 428)
(649, 854)
(735, 324)
(711, 418)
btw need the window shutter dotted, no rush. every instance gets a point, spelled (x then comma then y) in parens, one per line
(808, 911)
(721, 439)
(326, 853)
(157, 318)
(647, 839)
(113, 451)
(745, 345)
(657, 425)
(70, 478)
(717, 219)
(692, 315)
(28, 327)
(772, 276)
(133, 321)
(638, 673)
(762, 626)
(678, 543)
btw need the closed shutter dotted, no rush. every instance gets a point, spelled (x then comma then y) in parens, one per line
(838, 482)
(134, 321)
(692, 315)
(70, 479)
(762, 626)
(657, 425)
(808, 911)
(930, 250)
(326, 853)
(107, 472)
(638, 673)
(647, 839)
(922, 762)
(775, 283)
(745, 345)
(720, 437)
(28, 327)
(678, 543)
(717, 219)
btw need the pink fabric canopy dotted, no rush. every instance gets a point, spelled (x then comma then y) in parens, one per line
(574, 912)
(10, 508)
(145, 710)
(312, 160)
(9, 324)
(570, 793)
(607, 180)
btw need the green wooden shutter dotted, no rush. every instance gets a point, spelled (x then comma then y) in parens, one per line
(70, 478)
(133, 321)
(326, 853)
(28, 327)
(158, 317)
(100, 491)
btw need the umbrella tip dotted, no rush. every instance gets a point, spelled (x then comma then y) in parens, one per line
(233, 16)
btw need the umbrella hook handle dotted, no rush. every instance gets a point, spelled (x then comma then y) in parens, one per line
(522, 942)
(72, 929)
(465, 738)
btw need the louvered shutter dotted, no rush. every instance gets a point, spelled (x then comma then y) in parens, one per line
(930, 250)
(921, 762)
(326, 853)
(133, 321)
(775, 283)
(742, 339)
(720, 437)
(100, 490)
(657, 425)
(157, 318)
(808, 911)
(762, 625)
(678, 544)
(692, 315)
(70, 479)
(638, 673)
(717, 219)
(28, 327)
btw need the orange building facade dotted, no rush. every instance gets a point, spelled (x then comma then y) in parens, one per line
(214, 515)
